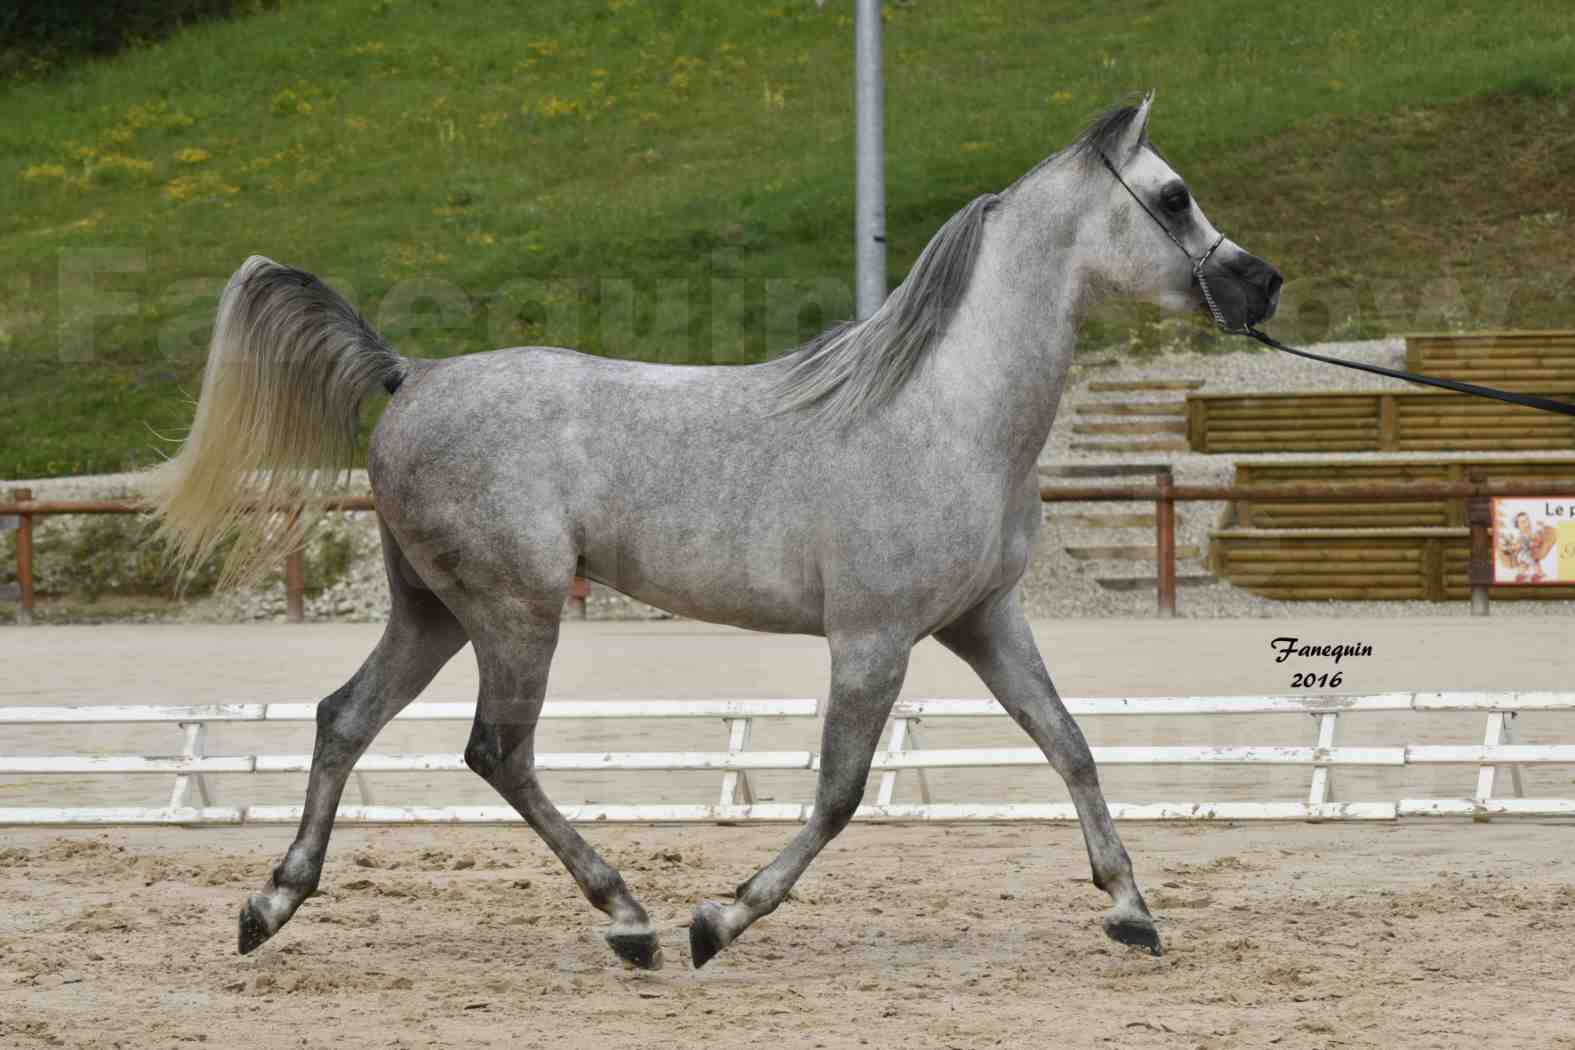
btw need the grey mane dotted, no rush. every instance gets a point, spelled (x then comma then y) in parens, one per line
(1100, 138)
(852, 367)
(855, 366)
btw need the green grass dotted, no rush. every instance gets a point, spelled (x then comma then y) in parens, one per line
(672, 181)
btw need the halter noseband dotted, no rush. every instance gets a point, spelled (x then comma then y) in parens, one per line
(1546, 404)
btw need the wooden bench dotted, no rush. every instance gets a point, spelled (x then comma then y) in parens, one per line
(1512, 360)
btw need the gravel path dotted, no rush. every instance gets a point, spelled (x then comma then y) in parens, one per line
(1058, 585)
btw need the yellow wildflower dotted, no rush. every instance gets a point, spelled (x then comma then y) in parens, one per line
(118, 166)
(40, 172)
(192, 155)
(184, 188)
(295, 100)
(552, 107)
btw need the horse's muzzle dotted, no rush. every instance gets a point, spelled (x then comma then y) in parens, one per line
(1245, 288)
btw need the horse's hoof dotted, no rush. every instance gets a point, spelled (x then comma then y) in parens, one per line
(640, 950)
(1135, 930)
(254, 928)
(705, 933)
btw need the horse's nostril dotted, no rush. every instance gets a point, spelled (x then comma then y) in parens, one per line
(1272, 288)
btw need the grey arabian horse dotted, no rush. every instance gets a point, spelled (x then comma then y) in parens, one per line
(875, 486)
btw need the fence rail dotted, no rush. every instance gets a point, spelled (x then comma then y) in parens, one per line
(26, 510)
(191, 801)
(1163, 493)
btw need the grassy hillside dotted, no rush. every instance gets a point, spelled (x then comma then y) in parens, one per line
(672, 181)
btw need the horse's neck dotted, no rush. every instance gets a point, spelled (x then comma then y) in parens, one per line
(1002, 364)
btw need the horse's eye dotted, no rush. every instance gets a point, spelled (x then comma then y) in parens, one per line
(1175, 198)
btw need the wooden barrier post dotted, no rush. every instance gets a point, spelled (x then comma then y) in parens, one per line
(295, 587)
(24, 559)
(579, 591)
(735, 782)
(904, 737)
(1388, 424)
(1322, 789)
(1165, 540)
(196, 734)
(1479, 515)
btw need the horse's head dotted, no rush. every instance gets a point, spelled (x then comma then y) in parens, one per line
(1152, 241)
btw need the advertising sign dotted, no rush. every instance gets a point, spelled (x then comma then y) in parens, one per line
(1534, 540)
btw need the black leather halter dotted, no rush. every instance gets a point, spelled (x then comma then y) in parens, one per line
(1546, 404)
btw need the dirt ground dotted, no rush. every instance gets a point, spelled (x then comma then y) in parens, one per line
(1416, 935)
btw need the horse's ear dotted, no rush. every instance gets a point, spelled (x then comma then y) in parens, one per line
(1136, 135)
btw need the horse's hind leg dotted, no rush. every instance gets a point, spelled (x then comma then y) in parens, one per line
(502, 752)
(420, 638)
(996, 642)
(866, 675)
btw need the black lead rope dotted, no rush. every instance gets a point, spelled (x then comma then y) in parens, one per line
(1546, 404)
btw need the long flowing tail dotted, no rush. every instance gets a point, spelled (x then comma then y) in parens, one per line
(276, 421)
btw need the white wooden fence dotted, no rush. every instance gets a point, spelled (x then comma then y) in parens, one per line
(1498, 752)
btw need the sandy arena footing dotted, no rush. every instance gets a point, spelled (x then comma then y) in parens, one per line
(1418, 934)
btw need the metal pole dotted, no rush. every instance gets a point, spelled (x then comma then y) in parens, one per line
(869, 224)
(24, 559)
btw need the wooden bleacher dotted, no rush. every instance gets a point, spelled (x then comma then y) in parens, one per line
(1322, 549)
(1395, 420)
(1512, 360)
(1331, 514)
(1402, 419)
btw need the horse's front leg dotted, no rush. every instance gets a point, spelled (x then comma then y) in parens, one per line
(996, 642)
(866, 674)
